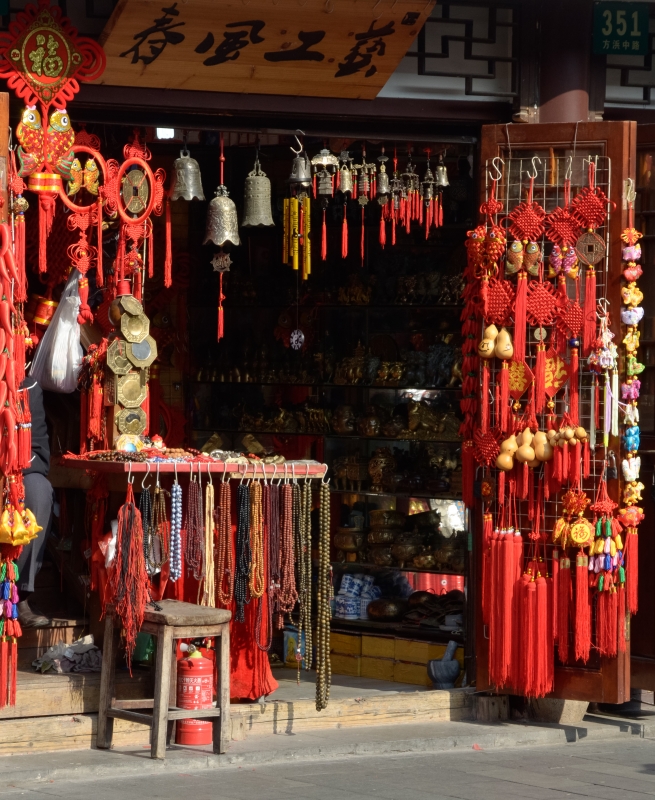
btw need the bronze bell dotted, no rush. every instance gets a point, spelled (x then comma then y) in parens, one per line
(441, 178)
(222, 222)
(383, 187)
(186, 181)
(324, 187)
(427, 185)
(301, 170)
(257, 199)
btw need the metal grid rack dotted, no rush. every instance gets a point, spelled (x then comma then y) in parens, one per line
(550, 172)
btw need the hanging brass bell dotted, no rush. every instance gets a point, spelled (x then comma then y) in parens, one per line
(222, 222)
(383, 187)
(427, 185)
(301, 170)
(324, 184)
(257, 199)
(186, 181)
(441, 174)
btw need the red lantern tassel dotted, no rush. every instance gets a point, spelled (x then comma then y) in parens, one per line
(621, 618)
(361, 239)
(508, 576)
(19, 248)
(99, 266)
(540, 377)
(151, 252)
(324, 239)
(582, 620)
(168, 259)
(484, 405)
(607, 619)
(543, 678)
(530, 638)
(589, 311)
(47, 208)
(573, 387)
(494, 606)
(632, 568)
(344, 234)
(504, 397)
(520, 316)
(13, 665)
(221, 297)
(393, 229)
(565, 462)
(574, 463)
(563, 609)
(487, 533)
(586, 459)
(468, 473)
(555, 573)
(440, 212)
(4, 662)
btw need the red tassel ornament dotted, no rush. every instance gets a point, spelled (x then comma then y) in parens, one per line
(589, 326)
(344, 234)
(520, 312)
(632, 569)
(582, 620)
(168, 258)
(563, 609)
(504, 397)
(324, 239)
(540, 378)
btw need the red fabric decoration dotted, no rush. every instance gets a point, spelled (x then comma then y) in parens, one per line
(540, 378)
(582, 618)
(607, 615)
(486, 447)
(589, 328)
(499, 302)
(562, 227)
(520, 314)
(344, 234)
(484, 406)
(527, 221)
(631, 553)
(504, 397)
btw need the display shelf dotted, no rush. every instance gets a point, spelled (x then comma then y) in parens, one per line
(416, 495)
(302, 468)
(435, 634)
(341, 306)
(331, 385)
(324, 435)
(432, 570)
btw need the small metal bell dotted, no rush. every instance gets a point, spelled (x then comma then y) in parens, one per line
(257, 199)
(186, 183)
(324, 188)
(301, 170)
(383, 186)
(441, 177)
(427, 185)
(222, 222)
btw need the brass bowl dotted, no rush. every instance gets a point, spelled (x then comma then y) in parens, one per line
(427, 519)
(348, 539)
(423, 561)
(383, 535)
(403, 553)
(418, 598)
(386, 518)
(381, 556)
(386, 610)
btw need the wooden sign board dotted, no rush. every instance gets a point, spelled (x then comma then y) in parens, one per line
(320, 48)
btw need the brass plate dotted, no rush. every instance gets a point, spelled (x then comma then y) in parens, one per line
(132, 390)
(132, 420)
(590, 248)
(117, 359)
(142, 354)
(135, 192)
(135, 327)
(130, 304)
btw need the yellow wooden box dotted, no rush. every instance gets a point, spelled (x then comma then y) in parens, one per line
(381, 669)
(412, 651)
(378, 646)
(346, 665)
(345, 644)
(411, 673)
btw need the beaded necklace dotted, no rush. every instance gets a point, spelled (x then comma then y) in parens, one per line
(176, 527)
(158, 541)
(209, 587)
(269, 556)
(195, 531)
(288, 595)
(243, 552)
(324, 596)
(225, 559)
(145, 508)
(305, 572)
(256, 581)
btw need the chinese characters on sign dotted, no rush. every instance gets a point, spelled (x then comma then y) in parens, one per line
(151, 42)
(621, 28)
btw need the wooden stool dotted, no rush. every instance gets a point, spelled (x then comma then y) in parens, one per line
(176, 620)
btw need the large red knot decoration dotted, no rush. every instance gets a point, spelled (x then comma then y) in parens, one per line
(486, 447)
(542, 304)
(562, 227)
(499, 302)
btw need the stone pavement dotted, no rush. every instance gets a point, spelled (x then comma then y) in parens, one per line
(622, 768)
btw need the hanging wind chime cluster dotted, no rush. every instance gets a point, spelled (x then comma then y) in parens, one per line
(522, 423)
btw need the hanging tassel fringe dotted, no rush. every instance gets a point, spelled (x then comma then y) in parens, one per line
(520, 311)
(582, 620)
(168, 259)
(563, 609)
(47, 208)
(574, 375)
(540, 379)
(344, 234)
(632, 569)
(589, 311)
(504, 397)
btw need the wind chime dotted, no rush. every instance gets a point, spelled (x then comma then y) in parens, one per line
(296, 212)
(528, 355)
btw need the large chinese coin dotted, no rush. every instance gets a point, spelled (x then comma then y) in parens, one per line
(135, 192)
(130, 304)
(135, 327)
(132, 390)
(142, 354)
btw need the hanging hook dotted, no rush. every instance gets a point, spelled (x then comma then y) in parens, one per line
(534, 167)
(157, 478)
(300, 144)
(130, 479)
(209, 473)
(293, 473)
(175, 468)
(243, 477)
(324, 476)
(264, 473)
(274, 472)
(307, 475)
(494, 165)
(286, 478)
(143, 488)
(568, 172)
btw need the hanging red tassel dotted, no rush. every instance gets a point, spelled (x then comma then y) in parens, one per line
(19, 248)
(4, 671)
(504, 397)
(47, 209)
(440, 212)
(314, 186)
(484, 405)
(632, 568)
(563, 609)
(468, 473)
(574, 374)
(540, 378)
(151, 251)
(487, 533)
(520, 311)
(507, 592)
(586, 459)
(221, 312)
(555, 573)
(565, 462)
(13, 665)
(324, 239)
(582, 619)
(344, 234)
(589, 311)
(529, 638)
(574, 463)
(99, 253)
(494, 607)
(361, 238)
(543, 678)
(393, 228)
(607, 610)
(621, 618)
(84, 313)
(168, 258)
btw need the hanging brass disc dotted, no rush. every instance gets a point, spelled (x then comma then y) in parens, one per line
(142, 354)
(582, 531)
(135, 192)
(135, 327)
(130, 304)
(590, 248)
(132, 420)
(117, 359)
(132, 390)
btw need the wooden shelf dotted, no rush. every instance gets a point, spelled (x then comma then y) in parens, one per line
(432, 571)
(302, 469)
(417, 495)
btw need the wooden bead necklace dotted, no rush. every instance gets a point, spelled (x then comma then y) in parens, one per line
(158, 541)
(304, 562)
(324, 596)
(195, 534)
(145, 509)
(267, 506)
(241, 595)
(256, 578)
(225, 558)
(288, 594)
(208, 584)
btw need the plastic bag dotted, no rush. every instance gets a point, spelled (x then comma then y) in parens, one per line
(58, 357)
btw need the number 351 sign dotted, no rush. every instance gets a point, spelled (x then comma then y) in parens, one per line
(621, 28)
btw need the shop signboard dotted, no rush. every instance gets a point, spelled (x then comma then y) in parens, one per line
(621, 28)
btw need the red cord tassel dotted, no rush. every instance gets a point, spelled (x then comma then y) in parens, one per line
(440, 212)
(19, 248)
(168, 259)
(586, 459)
(221, 313)
(99, 259)
(563, 609)
(361, 238)
(344, 234)
(565, 462)
(574, 373)
(484, 405)
(508, 576)
(582, 620)
(47, 208)
(323, 239)
(468, 473)
(606, 638)
(589, 311)
(529, 638)
(383, 232)
(540, 378)
(504, 397)
(4, 673)
(574, 463)
(632, 569)
(543, 673)
(520, 311)
(555, 573)
(487, 533)
(13, 665)
(621, 618)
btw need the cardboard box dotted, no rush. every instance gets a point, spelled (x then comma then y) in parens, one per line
(381, 669)
(346, 665)
(378, 646)
(411, 673)
(345, 644)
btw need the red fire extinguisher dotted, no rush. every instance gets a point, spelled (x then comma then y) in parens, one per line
(195, 676)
